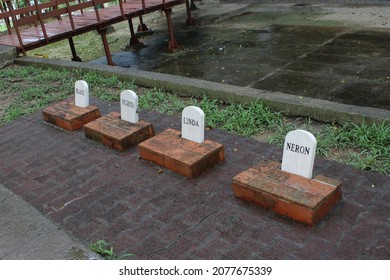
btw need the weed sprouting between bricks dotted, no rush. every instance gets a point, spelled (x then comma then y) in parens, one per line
(105, 249)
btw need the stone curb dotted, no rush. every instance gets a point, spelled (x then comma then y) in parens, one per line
(7, 54)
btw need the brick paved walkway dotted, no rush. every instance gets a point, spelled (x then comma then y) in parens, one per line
(95, 193)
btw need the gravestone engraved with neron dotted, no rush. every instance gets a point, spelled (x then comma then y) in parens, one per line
(299, 152)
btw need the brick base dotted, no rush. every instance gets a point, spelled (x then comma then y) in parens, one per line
(68, 116)
(305, 200)
(180, 155)
(114, 132)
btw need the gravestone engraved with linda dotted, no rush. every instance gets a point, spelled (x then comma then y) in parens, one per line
(192, 125)
(185, 152)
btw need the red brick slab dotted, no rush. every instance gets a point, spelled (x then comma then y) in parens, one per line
(97, 193)
(68, 116)
(305, 200)
(114, 132)
(183, 156)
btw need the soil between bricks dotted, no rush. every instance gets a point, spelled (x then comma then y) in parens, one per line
(94, 193)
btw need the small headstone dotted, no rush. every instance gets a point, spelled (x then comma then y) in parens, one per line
(81, 94)
(192, 124)
(129, 106)
(299, 152)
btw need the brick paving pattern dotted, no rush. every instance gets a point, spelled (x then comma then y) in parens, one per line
(94, 193)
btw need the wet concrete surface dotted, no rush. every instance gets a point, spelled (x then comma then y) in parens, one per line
(334, 63)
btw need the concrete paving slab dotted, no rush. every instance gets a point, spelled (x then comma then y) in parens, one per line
(206, 13)
(4, 194)
(53, 245)
(26, 234)
(19, 225)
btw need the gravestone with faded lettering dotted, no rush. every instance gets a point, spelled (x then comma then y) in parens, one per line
(185, 152)
(81, 93)
(129, 106)
(72, 114)
(123, 130)
(288, 188)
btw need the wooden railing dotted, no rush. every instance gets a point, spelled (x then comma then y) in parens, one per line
(67, 18)
(5, 15)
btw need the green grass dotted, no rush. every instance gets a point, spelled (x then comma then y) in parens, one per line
(370, 145)
(34, 88)
(158, 100)
(241, 119)
(105, 249)
(363, 146)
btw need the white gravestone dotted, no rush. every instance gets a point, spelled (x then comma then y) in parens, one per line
(192, 124)
(81, 92)
(299, 152)
(129, 106)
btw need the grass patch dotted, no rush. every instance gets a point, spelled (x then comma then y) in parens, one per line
(105, 249)
(158, 100)
(241, 119)
(31, 88)
(370, 145)
(28, 89)
(360, 145)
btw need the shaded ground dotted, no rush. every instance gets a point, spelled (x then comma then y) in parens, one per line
(96, 193)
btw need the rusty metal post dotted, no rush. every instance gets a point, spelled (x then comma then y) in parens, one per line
(103, 34)
(193, 6)
(73, 50)
(189, 21)
(16, 27)
(70, 15)
(133, 39)
(142, 27)
(172, 44)
(41, 22)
